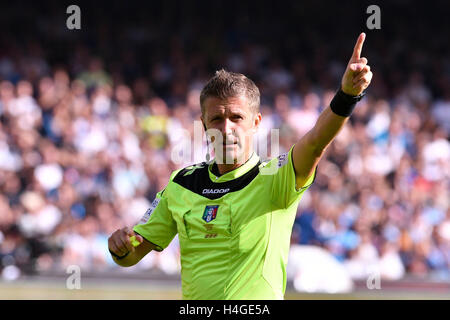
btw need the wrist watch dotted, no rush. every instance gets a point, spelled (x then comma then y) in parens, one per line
(118, 257)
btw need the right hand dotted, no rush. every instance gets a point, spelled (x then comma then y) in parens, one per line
(357, 76)
(119, 242)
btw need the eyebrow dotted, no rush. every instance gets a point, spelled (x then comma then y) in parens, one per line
(232, 113)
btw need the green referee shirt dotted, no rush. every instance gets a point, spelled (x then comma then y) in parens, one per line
(234, 230)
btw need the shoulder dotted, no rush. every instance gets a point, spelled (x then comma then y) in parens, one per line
(190, 173)
(283, 159)
(272, 165)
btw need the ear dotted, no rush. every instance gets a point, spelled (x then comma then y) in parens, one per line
(203, 122)
(256, 122)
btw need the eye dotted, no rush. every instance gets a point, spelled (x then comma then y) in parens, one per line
(237, 117)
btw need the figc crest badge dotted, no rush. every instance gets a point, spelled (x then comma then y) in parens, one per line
(210, 213)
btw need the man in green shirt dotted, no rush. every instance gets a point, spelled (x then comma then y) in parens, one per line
(234, 215)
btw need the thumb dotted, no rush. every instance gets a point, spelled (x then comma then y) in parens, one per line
(129, 231)
(355, 67)
(139, 238)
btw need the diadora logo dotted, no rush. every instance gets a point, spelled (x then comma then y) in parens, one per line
(214, 191)
(210, 213)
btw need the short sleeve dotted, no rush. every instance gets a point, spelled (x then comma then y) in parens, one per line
(284, 192)
(157, 224)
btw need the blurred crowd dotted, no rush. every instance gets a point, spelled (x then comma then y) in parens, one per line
(85, 145)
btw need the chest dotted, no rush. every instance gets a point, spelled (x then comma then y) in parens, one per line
(200, 218)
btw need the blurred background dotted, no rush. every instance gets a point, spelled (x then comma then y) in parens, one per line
(89, 119)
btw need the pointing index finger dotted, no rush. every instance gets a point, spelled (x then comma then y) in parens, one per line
(358, 47)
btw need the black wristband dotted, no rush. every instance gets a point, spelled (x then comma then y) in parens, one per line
(118, 257)
(343, 104)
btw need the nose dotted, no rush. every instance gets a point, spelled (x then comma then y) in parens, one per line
(228, 127)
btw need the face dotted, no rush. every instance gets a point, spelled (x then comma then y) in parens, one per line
(231, 124)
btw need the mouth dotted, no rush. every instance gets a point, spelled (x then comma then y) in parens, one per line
(230, 144)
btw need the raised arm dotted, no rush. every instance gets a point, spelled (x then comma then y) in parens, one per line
(310, 148)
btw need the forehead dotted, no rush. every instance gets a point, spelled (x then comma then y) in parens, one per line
(233, 104)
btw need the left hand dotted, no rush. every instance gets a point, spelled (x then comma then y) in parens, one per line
(357, 75)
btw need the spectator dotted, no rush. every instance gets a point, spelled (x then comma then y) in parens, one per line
(86, 142)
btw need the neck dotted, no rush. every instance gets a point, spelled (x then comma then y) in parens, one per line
(224, 168)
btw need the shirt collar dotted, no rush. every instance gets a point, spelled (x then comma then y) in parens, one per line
(236, 173)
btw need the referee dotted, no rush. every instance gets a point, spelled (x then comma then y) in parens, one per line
(234, 214)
